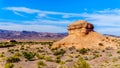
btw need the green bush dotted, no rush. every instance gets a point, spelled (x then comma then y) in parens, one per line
(72, 48)
(17, 54)
(118, 51)
(6, 44)
(57, 60)
(9, 65)
(29, 55)
(48, 58)
(62, 62)
(81, 63)
(59, 52)
(11, 50)
(69, 60)
(83, 51)
(40, 64)
(1, 55)
(40, 56)
(12, 59)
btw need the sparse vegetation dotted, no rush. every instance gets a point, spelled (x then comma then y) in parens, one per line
(118, 51)
(44, 56)
(81, 63)
(1, 55)
(83, 51)
(59, 52)
(40, 64)
(40, 56)
(100, 44)
(12, 59)
(9, 65)
(48, 58)
(29, 55)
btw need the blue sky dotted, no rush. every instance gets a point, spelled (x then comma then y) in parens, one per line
(55, 15)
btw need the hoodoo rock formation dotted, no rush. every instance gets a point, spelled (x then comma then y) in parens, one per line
(81, 34)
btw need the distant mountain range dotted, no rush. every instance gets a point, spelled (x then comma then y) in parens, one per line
(32, 35)
(8, 34)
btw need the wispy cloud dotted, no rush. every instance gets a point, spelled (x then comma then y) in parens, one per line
(17, 13)
(108, 17)
(22, 9)
(32, 27)
(40, 12)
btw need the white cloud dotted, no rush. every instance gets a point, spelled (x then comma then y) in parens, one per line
(107, 17)
(104, 19)
(33, 27)
(40, 12)
(109, 30)
(46, 22)
(41, 15)
(17, 13)
(22, 9)
(110, 11)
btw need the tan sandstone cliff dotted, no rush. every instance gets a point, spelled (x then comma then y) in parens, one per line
(81, 34)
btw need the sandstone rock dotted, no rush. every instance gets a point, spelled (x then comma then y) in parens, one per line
(81, 34)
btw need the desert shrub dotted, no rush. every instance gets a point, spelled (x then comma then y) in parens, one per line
(1, 55)
(69, 60)
(29, 55)
(109, 48)
(27, 46)
(85, 58)
(81, 63)
(40, 64)
(118, 51)
(47, 58)
(103, 50)
(57, 60)
(62, 62)
(17, 54)
(6, 44)
(11, 50)
(8, 65)
(118, 57)
(59, 52)
(16, 50)
(100, 44)
(115, 59)
(38, 50)
(22, 47)
(109, 54)
(96, 56)
(77, 56)
(83, 51)
(95, 51)
(106, 61)
(71, 48)
(12, 59)
(40, 56)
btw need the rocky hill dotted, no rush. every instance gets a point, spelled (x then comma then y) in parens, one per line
(8, 34)
(81, 34)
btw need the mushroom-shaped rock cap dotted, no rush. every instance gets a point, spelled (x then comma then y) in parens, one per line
(80, 24)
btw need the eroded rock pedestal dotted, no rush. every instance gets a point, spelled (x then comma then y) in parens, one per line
(81, 34)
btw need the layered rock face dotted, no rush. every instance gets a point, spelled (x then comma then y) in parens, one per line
(81, 34)
(80, 28)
